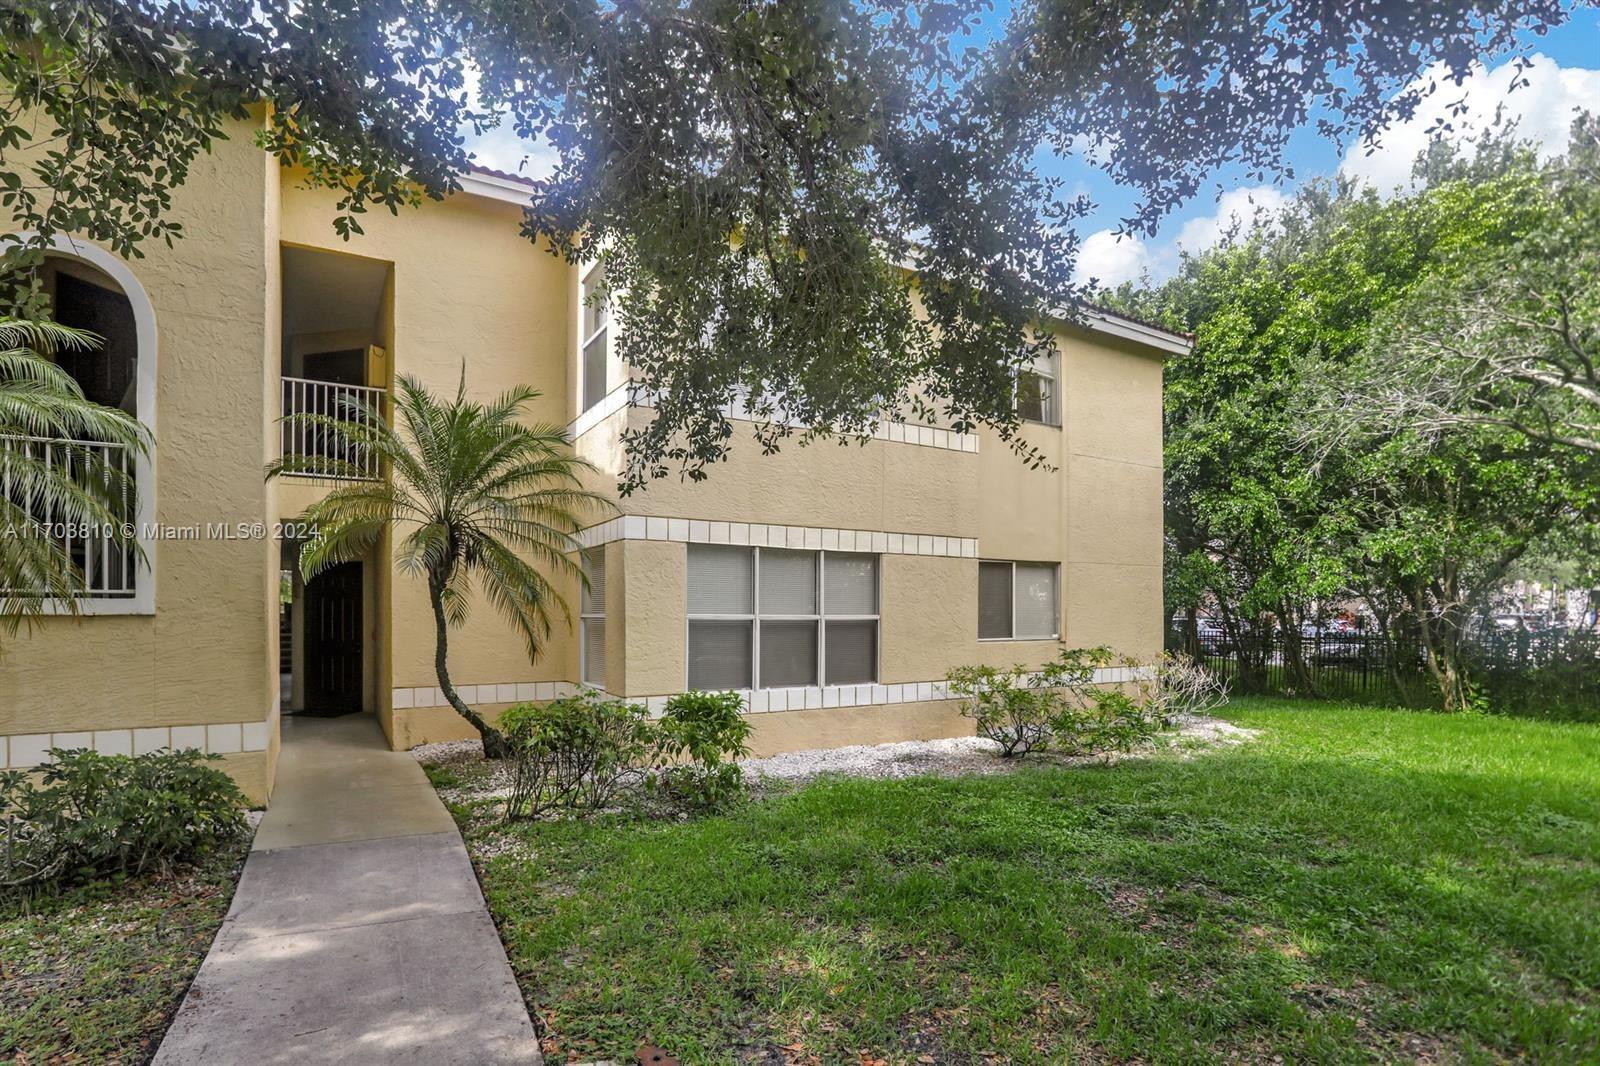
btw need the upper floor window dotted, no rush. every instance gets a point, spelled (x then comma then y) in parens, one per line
(592, 617)
(778, 618)
(1018, 601)
(595, 317)
(1037, 392)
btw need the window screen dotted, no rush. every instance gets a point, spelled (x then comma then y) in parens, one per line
(851, 584)
(788, 654)
(594, 651)
(788, 582)
(592, 616)
(852, 652)
(778, 618)
(594, 371)
(721, 580)
(994, 601)
(1018, 601)
(719, 655)
(1036, 600)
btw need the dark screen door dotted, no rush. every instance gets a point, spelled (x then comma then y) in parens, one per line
(333, 639)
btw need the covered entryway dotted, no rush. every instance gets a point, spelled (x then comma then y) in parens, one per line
(323, 636)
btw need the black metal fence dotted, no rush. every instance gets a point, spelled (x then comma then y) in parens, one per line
(1551, 674)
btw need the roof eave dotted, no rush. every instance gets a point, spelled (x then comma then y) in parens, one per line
(1114, 325)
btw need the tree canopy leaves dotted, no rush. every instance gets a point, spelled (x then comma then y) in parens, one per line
(1284, 497)
(820, 209)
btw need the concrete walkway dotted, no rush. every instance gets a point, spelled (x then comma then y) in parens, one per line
(358, 933)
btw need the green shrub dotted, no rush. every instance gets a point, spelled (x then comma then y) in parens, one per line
(707, 733)
(92, 815)
(575, 753)
(1005, 705)
(1060, 706)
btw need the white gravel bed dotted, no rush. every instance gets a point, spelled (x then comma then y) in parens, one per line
(956, 756)
(950, 757)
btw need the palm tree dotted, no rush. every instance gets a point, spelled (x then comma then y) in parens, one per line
(54, 462)
(479, 495)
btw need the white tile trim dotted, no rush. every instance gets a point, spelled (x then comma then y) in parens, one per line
(706, 531)
(816, 697)
(23, 751)
(885, 429)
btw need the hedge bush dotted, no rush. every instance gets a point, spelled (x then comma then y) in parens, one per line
(1060, 706)
(582, 752)
(574, 753)
(91, 815)
(705, 733)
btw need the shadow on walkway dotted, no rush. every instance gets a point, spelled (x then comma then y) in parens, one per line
(358, 933)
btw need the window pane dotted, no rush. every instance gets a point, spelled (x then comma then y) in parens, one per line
(594, 568)
(594, 651)
(721, 580)
(852, 652)
(1030, 392)
(595, 313)
(594, 372)
(719, 655)
(1036, 600)
(994, 600)
(788, 654)
(851, 583)
(788, 582)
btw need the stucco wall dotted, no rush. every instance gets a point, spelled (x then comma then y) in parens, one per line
(1095, 509)
(200, 658)
(466, 288)
(1112, 564)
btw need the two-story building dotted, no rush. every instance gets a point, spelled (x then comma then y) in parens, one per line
(834, 587)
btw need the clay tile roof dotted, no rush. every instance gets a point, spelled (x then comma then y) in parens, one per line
(1145, 322)
(519, 179)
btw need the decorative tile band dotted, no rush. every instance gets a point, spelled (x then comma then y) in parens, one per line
(518, 692)
(758, 701)
(812, 538)
(608, 405)
(886, 430)
(22, 751)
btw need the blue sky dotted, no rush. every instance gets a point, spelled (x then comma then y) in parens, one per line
(1565, 75)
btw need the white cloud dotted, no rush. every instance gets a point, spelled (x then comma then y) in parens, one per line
(1112, 261)
(501, 148)
(1239, 208)
(1542, 110)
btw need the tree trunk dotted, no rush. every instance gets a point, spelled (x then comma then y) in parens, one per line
(1442, 645)
(495, 745)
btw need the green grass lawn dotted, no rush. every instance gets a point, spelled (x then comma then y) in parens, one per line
(94, 975)
(1353, 885)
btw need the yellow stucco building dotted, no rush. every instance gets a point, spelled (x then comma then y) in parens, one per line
(833, 586)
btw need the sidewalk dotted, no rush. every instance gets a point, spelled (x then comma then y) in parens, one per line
(358, 933)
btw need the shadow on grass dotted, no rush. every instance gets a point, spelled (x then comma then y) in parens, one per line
(1338, 901)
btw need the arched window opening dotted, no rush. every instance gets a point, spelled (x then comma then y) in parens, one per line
(89, 288)
(84, 297)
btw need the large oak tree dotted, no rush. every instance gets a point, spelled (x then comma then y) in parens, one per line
(776, 186)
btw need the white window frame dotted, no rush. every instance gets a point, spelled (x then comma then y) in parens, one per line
(143, 600)
(1055, 596)
(589, 614)
(821, 618)
(1052, 374)
(600, 333)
